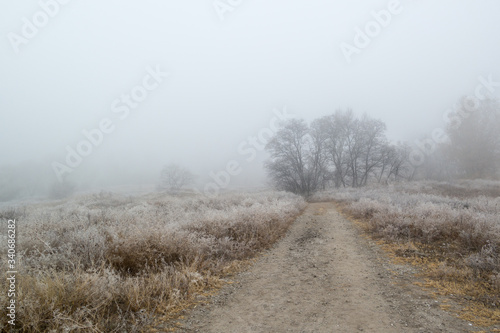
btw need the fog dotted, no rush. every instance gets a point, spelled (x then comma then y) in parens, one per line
(208, 76)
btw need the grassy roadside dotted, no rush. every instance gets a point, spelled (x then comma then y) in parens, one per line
(453, 239)
(107, 263)
(472, 291)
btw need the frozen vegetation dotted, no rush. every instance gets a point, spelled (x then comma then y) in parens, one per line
(106, 262)
(454, 227)
(466, 213)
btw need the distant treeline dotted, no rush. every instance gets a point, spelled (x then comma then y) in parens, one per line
(343, 150)
(339, 150)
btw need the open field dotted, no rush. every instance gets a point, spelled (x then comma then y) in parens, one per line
(450, 230)
(109, 263)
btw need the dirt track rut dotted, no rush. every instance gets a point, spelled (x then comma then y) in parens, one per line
(323, 277)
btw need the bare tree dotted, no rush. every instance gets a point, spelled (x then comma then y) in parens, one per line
(339, 149)
(338, 127)
(320, 173)
(372, 140)
(355, 147)
(296, 163)
(174, 177)
(395, 163)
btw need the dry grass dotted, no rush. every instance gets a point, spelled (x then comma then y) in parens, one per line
(450, 230)
(108, 263)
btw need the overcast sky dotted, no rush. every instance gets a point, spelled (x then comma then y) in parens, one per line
(229, 67)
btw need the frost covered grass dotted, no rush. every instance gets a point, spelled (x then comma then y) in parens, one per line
(111, 263)
(453, 229)
(427, 213)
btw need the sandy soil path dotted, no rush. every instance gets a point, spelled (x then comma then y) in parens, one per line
(323, 277)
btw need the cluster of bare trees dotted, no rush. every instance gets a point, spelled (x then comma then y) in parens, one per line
(336, 150)
(343, 150)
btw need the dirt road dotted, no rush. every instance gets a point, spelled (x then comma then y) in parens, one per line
(323, 277)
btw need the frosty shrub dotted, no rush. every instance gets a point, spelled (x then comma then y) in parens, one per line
(421, 211)
(465, 214)
(106, 262)
(451, 228)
